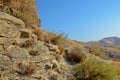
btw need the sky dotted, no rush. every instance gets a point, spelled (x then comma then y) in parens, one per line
(82, 20)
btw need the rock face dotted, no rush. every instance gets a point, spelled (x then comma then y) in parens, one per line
(23, 9)
(24, 57)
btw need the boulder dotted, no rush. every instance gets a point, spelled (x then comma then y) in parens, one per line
(11, 19)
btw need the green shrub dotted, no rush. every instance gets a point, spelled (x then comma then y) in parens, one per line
(94, 69)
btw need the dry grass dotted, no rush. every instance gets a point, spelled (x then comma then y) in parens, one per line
(62, 49)
(76, 55)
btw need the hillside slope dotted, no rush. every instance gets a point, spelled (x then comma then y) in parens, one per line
(29, 53)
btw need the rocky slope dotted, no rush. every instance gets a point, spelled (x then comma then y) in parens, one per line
(29, 53)
(24, 53)
(22, 56)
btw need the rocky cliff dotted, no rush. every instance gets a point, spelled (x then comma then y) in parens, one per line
(24, 53)
(24, 57)
(23, 9)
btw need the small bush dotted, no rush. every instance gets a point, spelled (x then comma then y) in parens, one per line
(94, 69)
(76, 55)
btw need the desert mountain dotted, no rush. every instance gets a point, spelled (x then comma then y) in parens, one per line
(110, 41)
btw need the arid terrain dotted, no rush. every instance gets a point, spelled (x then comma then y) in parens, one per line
(27, 52)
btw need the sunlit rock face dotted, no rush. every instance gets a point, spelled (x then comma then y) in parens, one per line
(23, 9)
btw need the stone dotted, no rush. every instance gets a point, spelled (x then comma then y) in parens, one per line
(53, 48)
(23, 12)
(56, 76)
(1, 47)
(19, 23)
(4, 62)
(18, 54)
(49, 65)
(55, 64)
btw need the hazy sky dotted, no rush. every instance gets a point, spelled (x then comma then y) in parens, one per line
(82, 20)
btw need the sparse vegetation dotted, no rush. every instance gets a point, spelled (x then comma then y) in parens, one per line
(94, 69)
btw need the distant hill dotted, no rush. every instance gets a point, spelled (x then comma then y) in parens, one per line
(110, 41)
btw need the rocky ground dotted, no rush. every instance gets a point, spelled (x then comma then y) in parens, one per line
(23, 57)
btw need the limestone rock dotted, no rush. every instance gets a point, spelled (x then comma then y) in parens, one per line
(49, 65)
(4, 62)
(19, 23)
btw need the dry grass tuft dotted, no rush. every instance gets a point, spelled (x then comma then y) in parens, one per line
(62, 49)
(76, 55)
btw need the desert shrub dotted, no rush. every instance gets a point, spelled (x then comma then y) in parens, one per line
(76, 55)
(26, 69)
(34, 53)
(62, 49)
(94, 69)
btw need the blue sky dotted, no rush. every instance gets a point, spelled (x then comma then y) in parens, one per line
(82, 20)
